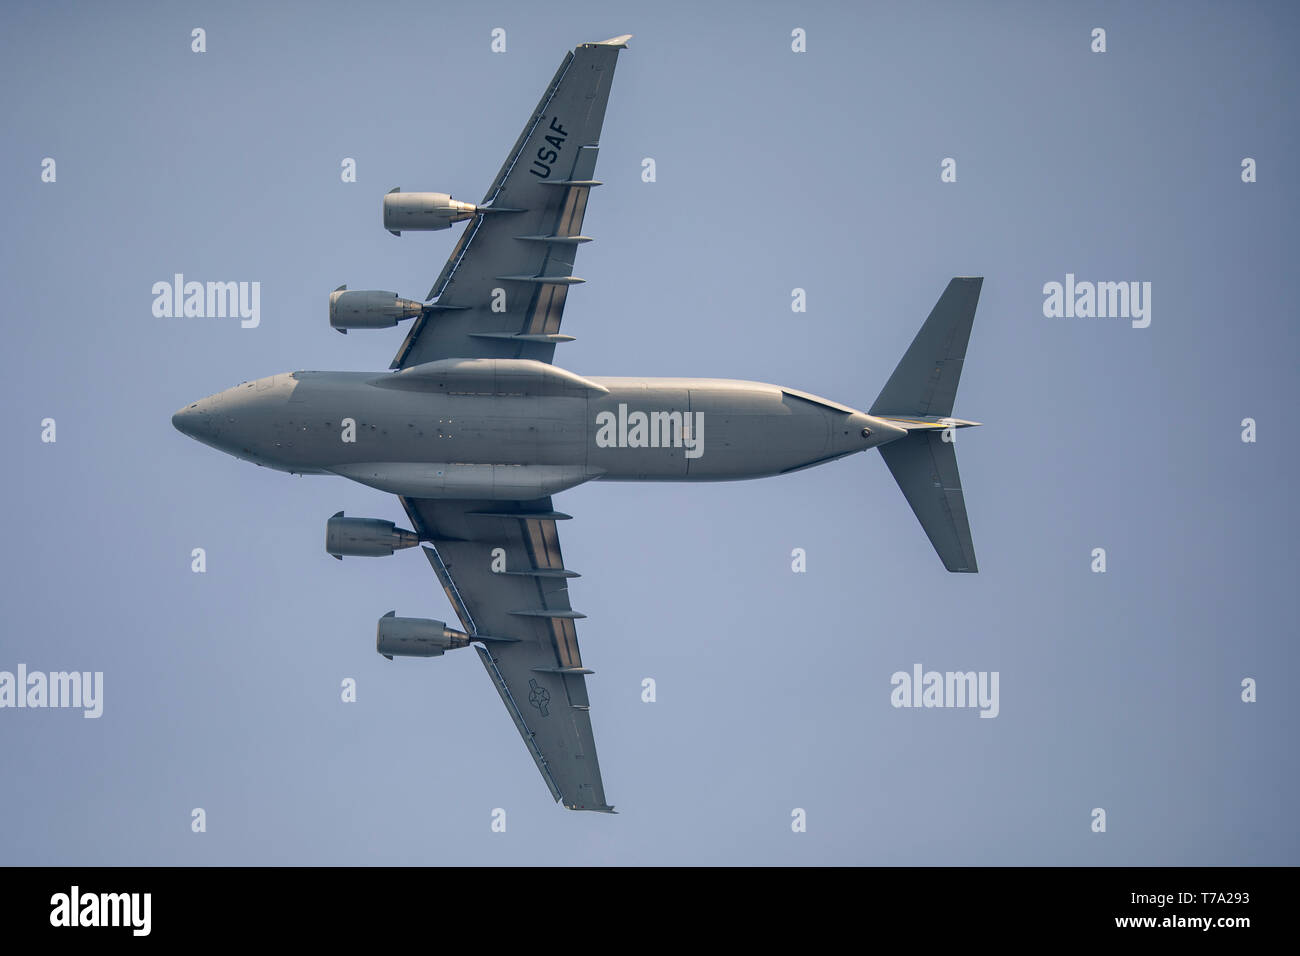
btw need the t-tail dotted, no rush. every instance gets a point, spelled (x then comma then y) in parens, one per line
(919, 397)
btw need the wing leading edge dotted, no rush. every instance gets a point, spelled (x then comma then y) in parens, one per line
(502, 292)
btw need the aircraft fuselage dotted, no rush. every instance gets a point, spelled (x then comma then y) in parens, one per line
(527, 431)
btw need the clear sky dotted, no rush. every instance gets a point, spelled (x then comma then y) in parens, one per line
(775, 170)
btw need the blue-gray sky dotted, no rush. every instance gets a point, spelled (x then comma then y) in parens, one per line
(775, 170)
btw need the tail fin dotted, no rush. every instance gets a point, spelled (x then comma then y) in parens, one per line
(919, 396)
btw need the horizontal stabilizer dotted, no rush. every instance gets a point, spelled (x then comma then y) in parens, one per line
(925, 382)
(925, 467)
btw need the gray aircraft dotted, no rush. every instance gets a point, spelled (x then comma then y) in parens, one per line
(474, 429)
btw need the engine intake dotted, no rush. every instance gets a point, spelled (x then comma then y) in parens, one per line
(422, 212)
(368, 309)
(416, 637)
(366, 537)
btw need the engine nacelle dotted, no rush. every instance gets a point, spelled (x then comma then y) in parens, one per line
(421, 212)
(367, 309)
(366, 537)
(416, 637)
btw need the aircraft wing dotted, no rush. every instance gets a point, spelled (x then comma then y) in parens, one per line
(501, 566)
(502, 292)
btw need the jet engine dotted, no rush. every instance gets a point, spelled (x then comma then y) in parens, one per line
(366, 309)
(365, 537)
(421, 212)
(416, 637)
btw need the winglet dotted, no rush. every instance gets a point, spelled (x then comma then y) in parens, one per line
(619, 42)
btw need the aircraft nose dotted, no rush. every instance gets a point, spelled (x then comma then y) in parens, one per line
(191, 420)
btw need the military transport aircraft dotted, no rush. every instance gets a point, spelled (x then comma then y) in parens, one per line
(474, 429)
